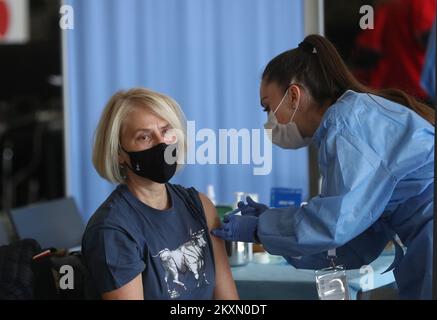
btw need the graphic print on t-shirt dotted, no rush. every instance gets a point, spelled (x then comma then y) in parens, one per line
(188, 257)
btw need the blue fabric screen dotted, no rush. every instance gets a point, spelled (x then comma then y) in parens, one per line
(208, 55)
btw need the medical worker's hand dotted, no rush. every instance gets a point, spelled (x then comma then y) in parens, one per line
(237, 228)
(252, 208)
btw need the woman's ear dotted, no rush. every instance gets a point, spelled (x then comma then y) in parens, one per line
(294, 95)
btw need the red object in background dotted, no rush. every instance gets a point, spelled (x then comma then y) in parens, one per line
(4, 18)
(399, 26)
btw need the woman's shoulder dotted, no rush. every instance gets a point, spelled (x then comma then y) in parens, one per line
(357, 111)
(350, 114)
(110, 214)
(350, 103)
(189, 194)
(199, 200)
(181, 188)
(362, 106)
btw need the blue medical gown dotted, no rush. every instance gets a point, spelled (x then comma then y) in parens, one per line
(376, 159)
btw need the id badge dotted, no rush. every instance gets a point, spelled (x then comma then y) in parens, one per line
(332, 284)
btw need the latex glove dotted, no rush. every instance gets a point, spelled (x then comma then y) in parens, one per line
(252, 208)
(237, 228)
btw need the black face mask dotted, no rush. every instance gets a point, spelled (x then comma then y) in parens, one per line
(151, 164)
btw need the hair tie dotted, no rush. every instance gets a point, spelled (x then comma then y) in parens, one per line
(307, 47)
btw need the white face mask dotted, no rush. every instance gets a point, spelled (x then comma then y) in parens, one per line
(286, 136)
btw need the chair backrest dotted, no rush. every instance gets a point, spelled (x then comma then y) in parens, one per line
(54, 223)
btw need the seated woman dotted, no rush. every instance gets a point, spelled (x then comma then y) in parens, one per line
(150, 239)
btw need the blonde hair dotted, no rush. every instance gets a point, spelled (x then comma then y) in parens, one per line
(107, 136)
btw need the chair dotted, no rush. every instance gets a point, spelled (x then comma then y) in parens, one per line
(54, 223)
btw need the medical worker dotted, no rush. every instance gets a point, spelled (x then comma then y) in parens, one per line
(376, 159)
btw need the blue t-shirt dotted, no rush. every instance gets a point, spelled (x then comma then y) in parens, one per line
(170, 248)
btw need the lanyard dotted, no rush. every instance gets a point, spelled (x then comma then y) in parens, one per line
(332, 282)
(332, 254)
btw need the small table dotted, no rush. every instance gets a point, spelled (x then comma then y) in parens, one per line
(281, 281)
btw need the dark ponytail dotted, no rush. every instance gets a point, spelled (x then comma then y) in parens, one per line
(318, 66)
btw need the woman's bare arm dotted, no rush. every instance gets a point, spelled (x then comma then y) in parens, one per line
(225, 288)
